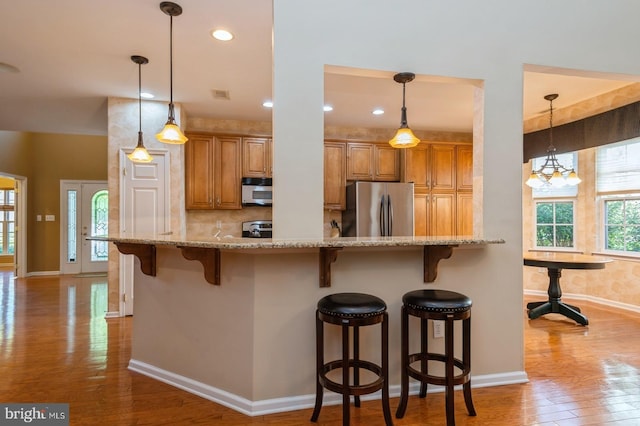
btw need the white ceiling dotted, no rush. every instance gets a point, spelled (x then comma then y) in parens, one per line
(72, 55)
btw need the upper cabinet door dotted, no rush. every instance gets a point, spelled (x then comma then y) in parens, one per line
(464, 167)
(199, 171)
(359, 161)
(416, 166)
(256, 157)
(443, 167)
(386, 160)
(335, 168)
(228, 173)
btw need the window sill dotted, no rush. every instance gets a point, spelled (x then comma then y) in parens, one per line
(629, 258)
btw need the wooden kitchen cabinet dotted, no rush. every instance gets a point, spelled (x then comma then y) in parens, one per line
(213, 172)
(368, 161)
(335, 171)
(464, 167)
(442, 174)
(228, 173)
(256, 157)
(434, 214)
(199, 172)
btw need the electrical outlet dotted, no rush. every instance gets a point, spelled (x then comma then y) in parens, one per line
(438, 329)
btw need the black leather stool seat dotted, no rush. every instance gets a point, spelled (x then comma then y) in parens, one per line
(437, 301)
(441, 305)
(351, 305)
(351, 311)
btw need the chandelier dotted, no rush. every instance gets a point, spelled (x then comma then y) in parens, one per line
(552, 173)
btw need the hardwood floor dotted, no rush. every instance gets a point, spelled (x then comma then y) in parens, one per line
(56, 346)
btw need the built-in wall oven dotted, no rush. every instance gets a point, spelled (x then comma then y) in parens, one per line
(257, 192)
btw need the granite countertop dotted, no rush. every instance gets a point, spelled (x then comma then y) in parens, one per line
(273, 243)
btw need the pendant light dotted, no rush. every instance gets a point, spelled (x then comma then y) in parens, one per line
(552, 173)
(140, 154)
(404, 137)
(171, 133)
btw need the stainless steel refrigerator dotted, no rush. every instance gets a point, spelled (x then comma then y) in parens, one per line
(378, 209)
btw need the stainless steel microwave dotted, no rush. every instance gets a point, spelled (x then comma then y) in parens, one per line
(257, 192)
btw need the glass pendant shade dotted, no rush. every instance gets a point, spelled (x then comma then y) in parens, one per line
(404, 138)
(552, 173)
(140, 154)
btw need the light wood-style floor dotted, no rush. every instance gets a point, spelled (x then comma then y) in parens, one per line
(56, 346)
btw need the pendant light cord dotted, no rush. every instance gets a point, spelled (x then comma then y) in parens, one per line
(171, 60)
(139, 98)
(551, 125)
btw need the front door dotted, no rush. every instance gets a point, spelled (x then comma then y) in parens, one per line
(83, 212)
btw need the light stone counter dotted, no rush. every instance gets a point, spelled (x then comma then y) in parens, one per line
(207, 251)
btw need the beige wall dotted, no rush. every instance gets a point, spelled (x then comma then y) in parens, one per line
(45, 159)
(617, 284)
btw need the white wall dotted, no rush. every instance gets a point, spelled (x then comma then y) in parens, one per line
(487, 40)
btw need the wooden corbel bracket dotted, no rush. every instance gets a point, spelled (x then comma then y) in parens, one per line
(433, 255)
(328, 255)
(210, 259)
(146, 253)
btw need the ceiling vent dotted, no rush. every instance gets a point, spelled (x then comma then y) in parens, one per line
(220, 94)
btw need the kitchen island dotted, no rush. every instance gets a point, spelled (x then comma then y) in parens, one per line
(236, 325)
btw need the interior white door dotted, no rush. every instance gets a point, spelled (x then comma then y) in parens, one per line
(94, 222)
(143, 210)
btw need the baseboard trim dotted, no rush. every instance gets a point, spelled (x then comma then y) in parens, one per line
(278, 405)
(41, 273)
(588, 298)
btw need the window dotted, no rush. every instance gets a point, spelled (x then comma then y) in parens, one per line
(618, 189)
(622, 224)
(554, 224)
(7, 221)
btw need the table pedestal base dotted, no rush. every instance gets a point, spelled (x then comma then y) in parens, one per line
(555, 305)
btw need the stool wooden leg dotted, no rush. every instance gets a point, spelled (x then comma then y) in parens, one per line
(346, 400)
(319, 368)
(424, 349)
(356, 359)
(466, 361)
(385, 370)
(448, 344)
(404, 358)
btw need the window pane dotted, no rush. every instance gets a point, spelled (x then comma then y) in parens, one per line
(615, 237)
(544, 236)
(71, 225)
(564, 236)
(632, 212)
(544, 213)
(564, 212)
(633, 239)
(614, 212)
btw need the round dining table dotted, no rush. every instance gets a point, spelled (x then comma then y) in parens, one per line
(555, 262)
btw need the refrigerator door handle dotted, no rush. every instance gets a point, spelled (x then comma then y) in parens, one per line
(382, 218)
(389, 216)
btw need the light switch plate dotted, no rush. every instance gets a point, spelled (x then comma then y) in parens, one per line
(50, 218)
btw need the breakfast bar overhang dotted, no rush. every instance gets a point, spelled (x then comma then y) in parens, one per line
(248, 341)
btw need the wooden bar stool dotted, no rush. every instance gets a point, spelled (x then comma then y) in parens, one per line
(446, 306)
(351, 310)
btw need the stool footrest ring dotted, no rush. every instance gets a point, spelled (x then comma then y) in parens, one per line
(356, 390)
(459, 379)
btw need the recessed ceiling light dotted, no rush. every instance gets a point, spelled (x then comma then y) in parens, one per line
(327, 108)
(377, 111)
(146, 95)
(267, 104)
(222, 35)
